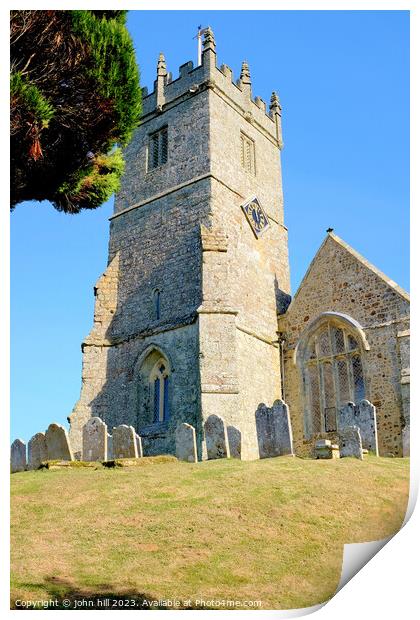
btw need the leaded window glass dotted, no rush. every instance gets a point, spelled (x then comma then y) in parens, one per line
(315, 404)
(324, 343)
(333, 374)
(359, 384)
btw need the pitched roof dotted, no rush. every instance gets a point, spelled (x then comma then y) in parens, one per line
(333, 237)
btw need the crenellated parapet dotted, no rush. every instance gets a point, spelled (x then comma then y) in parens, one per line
(192, 81)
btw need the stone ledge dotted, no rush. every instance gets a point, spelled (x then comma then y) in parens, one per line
(141, 462)
(158, 329)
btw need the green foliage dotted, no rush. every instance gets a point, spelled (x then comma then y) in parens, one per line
(119, 16)
(31, 98)
(94, 184)
(112, 65)
(75, 97)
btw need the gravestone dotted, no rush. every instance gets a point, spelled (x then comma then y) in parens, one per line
(124, 442)
(274, 430)
(18, 456)
(95, 439)
(37, 451)
(139, 446)
(185, 443)
(350, 442)
(234, 438)
(365, 420)
(110, 451)
(346, 415)
(216, 438)
(58, 445)
(362, 415)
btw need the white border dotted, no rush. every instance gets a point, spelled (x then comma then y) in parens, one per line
(387, 586)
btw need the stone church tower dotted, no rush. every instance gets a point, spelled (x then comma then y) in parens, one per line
(186, 312)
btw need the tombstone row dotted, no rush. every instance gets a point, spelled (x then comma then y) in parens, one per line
(52, 445)
(274, 435)
(97, 445)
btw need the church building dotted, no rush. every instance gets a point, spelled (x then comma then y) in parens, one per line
(193, 314)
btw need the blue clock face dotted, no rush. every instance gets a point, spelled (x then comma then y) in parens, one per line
(256, 217)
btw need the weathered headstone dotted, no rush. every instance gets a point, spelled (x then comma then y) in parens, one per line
(18, 456)
(216, 438)
(58, 445)
(362, 415)
(350, 442)
(185, 443)
(365, 420)
(346, 415)
(325, 449)
(234, 437)
(124, 442)
(274, 430)
(95, 436)
(139, 446)
(110, 450)
(37, 451)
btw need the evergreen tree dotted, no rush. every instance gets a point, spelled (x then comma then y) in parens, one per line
(75, 101)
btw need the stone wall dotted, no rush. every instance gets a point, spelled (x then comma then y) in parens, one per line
(117, 400)
(404, 355)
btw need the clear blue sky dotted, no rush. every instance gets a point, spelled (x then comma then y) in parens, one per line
(343, 80)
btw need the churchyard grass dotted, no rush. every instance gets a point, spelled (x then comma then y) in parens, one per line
(270, 530)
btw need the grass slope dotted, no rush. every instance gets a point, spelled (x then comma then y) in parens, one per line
(270, 530)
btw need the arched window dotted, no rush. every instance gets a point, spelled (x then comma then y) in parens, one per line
(159, 387)
(332, 375)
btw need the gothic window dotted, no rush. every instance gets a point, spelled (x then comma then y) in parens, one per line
(332, 374)
(159, 387)
(158, 148)
(248, 154)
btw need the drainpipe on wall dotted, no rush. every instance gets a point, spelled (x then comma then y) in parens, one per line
(282, 342)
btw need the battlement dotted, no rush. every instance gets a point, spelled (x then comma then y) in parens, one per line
(193, 80)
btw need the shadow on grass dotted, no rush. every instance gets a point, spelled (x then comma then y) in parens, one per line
(64, 594)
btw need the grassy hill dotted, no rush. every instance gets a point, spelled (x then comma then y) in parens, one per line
(270, 530)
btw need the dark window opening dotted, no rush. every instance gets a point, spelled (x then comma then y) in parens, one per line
(158, 148)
